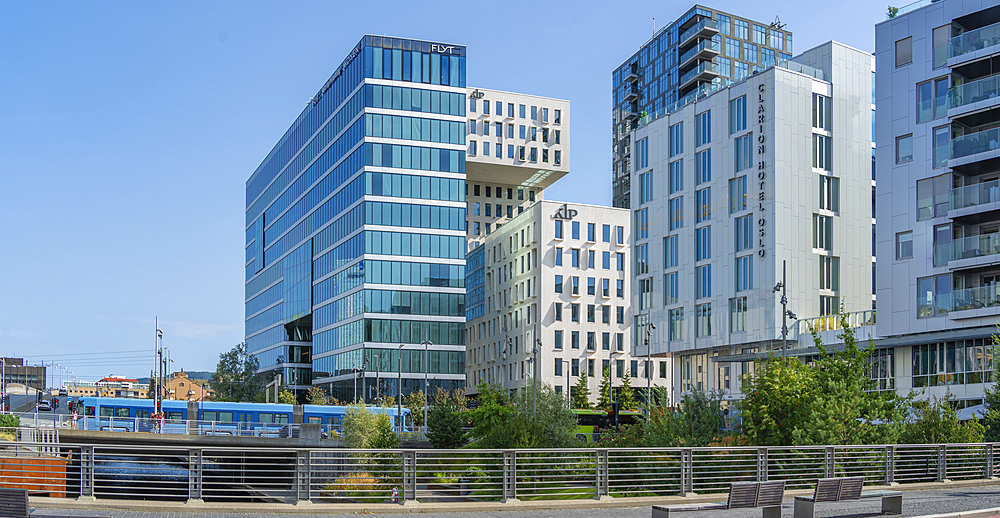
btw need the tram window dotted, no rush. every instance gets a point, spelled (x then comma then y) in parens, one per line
(281, 418)
(335, 420)
(175, 416)
(107, 411)
(226, 417)
(316, 420)
(88, 410)
(265, 418)
(210, 416)
(121, 412)
(142, 413)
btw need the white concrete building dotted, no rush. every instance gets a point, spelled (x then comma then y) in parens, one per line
(518, 145)
(558, 274)
(938, 198)
(770, 168)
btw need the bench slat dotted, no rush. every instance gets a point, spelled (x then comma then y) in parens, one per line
(771, 493)
(827, 490)
(850, 488)
(743, 495)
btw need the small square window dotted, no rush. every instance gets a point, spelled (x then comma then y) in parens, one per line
(904, 52)
(904, 148)
(904, 245)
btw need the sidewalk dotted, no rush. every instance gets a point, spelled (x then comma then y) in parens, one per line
(916, 502)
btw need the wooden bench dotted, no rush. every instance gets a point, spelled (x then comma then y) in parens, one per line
(742, 495)
(840, 489)
(13, 503)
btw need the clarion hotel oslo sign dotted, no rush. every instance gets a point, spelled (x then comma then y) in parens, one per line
(761, 173)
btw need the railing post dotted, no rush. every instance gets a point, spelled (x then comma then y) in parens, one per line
(762, 465)
(87, 473)
(890, 465)
(510, 477)
(195, 475)
(409, 496)
(687, 472)
(303, 481)
(942, 464)
(828, 461)
(989, 461)
(602, 485)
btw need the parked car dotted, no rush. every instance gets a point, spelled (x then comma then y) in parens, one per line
(44, 405)
(63, 393)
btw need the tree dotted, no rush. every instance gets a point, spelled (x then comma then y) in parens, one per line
(315, 396)
(604, 400)
(286, 396)
(699, 420)
(777, 398)
(626, 396)
(992, 418)
(236, 376)
(444, 423)
(491, 420)
(525, 422)
(581, 396)
(363, 428)
(415, 402)
(936, 421)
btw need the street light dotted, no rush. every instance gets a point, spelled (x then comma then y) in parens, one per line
(785, 313)
(427, 386)
(649, 380)
(399, 388)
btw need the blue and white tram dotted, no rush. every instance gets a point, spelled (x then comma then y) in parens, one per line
(218, 417)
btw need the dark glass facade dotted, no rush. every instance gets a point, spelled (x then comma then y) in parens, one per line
(700, 52)
(355, 227)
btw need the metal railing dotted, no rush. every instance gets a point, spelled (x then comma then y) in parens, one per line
(975, 194)
(967, 247)
(696, 28)
(974, 91)
(974, 40)
(972, 143)
(334, 475)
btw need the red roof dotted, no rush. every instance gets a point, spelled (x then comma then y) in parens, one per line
(114, 378)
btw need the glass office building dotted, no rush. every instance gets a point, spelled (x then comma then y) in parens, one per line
(699, 53)
(355, 228)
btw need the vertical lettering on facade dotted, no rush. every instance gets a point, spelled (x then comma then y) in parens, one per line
(761, 173)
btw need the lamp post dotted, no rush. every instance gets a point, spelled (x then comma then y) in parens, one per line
(785, 313)
(427, 386)
(534, 375)
(399, 388)
(649, 380)
(378, 369)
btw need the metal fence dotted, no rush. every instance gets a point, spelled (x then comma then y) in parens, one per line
(335, 475)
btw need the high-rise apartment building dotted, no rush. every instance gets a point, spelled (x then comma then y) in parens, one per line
(771, 169)
(357, 225)
(700, 52)
(938, 197)
(554, 277)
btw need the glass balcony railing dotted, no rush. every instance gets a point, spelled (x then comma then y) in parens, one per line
(697, 49)
(972, 195)
(974, 91)
(974, 40)
(975, 298)
(975, 143)
(703, 68)
(967, 248)
(698, 27)
(941, 154)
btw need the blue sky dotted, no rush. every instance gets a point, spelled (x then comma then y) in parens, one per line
(128, 130)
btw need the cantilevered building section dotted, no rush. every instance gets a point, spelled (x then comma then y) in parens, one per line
(698, 53)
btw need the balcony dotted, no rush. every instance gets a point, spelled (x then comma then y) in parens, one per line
(975, 195)
(973, 41)
(632, 95)
(980, 297)
(974, 143)
(707, 49)
(632, 112)
(979, 91)
(633, 76)
(971, 247)
(707, 28)
(704, 72)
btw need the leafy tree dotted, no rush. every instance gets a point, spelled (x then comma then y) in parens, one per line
(415, 402)
(936, 421)
(315, 396)
(777, 398)
(363, 428)
(581, 396)
(604, 400)
(992, 418)
(286, 396)
(236, 376)
(444, 423)
(699, 420)
(548, 422)
(491, 419)
(626, 396)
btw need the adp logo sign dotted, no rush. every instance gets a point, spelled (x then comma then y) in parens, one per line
(565, 212)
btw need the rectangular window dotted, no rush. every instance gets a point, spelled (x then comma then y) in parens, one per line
(749, 52)
(533, 156)
(675, 176)
(759, 34)
(574, 316)
(725, 24)
(510, 110)
(606, 260)
(738, 315)
(904, 148)
(576, 285)
(703, 281)
(703, 243)
(605, 288)
(733, 48)
(557, 157)
(645, 293)
(558, 370)
(559, 283)
(534, 113)
(557, 117)
(670, 251)
(738, 194)
(557, 309)
(904, 52)
(590, 368)
(822, 232)
(675, 320)
(641, 154)
(510, 150)
(620, 233)
(821, 111)
(822, 149)
(744, 273)
(904, 245)
(591, 232)
(703, 320)
(675, 211)
(642, 258)
(703, 128)
(605, 315)
(829, 193)
(606, 233)
(671, 288)
(933, 197)
(620, 287)
(545, 115)
(558, 229)
(939, 148)
(576, 229)
(829, 273)
(703, 167)
(742, 29)
(703, 204)
(940, 38)
(472, 148)
(621, 261)
(829, 305)
(558, 256)
(510, 131)
(534, 134)
(743, 152)
(641, 224)
(591, 286)
(619, 314)
(933, 296)
(575, 366)
(522, 110)
(676, 141)
(590, 316)
(738, 114)
(744, 233)
(472, 105)
(645, 187)
(557, 340)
